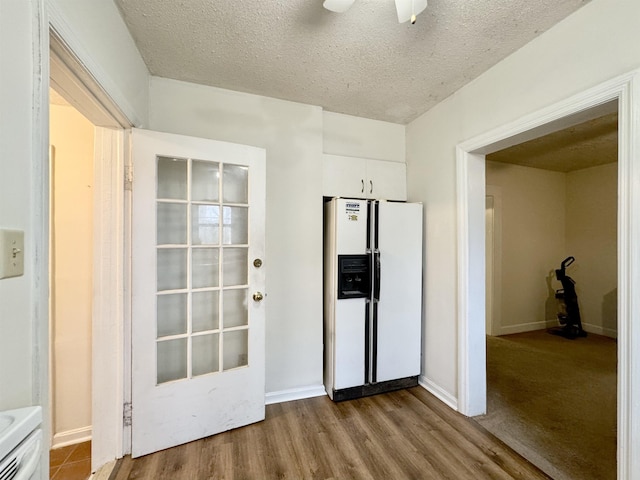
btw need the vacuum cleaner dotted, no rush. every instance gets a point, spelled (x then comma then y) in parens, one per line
(568, 310)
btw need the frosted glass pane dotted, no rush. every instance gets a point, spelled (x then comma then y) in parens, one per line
(236, 349)
(204, 311)
(234, 267)
(205, 180)
(172, 360)
(172, 178)
(205, 354)
(235, 184)
(235, 225)
(204, 267)
(172, 314)
(172, 268)
(205, 224)
(234, 308)
(172, 223)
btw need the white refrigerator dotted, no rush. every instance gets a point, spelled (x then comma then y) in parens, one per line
(372, 296)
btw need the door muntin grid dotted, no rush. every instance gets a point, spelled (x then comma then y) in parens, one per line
(202, 256)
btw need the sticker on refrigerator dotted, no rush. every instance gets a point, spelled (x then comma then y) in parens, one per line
(352, 210)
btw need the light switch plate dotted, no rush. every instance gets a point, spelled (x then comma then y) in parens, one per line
(11, 253)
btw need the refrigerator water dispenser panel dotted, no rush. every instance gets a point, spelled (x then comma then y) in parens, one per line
(354, 276)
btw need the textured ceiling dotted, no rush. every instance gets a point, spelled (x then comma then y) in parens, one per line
(361, 62)
(581, 146)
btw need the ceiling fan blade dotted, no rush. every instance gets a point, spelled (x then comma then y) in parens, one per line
(407, 8)
(338, 6)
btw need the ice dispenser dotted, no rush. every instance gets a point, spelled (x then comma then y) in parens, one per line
(354, 276)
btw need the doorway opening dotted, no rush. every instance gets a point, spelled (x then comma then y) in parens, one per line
(71, 137)
(551, 399)
(601, 100)
(108, 207)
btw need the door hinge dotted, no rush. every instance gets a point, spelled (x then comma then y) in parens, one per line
(126, 414)
(128, 177)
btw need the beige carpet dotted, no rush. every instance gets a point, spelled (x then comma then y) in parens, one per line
(554, 401)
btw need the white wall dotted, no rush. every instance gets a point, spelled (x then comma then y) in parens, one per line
(23, 189)
(72, 265)
(589, 47)
(291, 133)
(533, 243)
(17, 177)
(591, 233)
(362, 137)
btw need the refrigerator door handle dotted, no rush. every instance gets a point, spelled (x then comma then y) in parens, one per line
(376, 275)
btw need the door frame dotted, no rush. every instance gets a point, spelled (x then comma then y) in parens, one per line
(111, 299)
(623, 91)
(494, 284)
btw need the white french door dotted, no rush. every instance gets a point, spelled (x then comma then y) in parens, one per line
(198, 321)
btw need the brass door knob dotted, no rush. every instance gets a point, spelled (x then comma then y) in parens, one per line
(258, 296)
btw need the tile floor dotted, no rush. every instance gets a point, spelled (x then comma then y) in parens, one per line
(72, 462)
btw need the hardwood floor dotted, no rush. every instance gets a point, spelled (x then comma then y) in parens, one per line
(407, 434)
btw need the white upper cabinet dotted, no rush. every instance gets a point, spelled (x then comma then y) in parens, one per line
(363, 178)
(387, 180)
(343, 176)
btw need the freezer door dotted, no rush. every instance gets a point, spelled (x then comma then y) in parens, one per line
(349, 343)
(398, 325)
(345, 348)
(351, 226)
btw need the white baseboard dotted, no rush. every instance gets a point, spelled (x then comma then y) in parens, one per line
(71, 437)
(530, 327)
(438, 392)
(600, 330)
(526, 327)
(295, 394)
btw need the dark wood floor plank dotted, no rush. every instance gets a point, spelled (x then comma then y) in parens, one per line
(407, 434)
(311, 427)
(282, 453)
(335, 442)
(423, 430)
(492, 448)
(366, 443)
(403, 460)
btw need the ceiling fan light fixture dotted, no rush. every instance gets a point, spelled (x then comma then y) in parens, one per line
(338, 6)
(408, 10)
